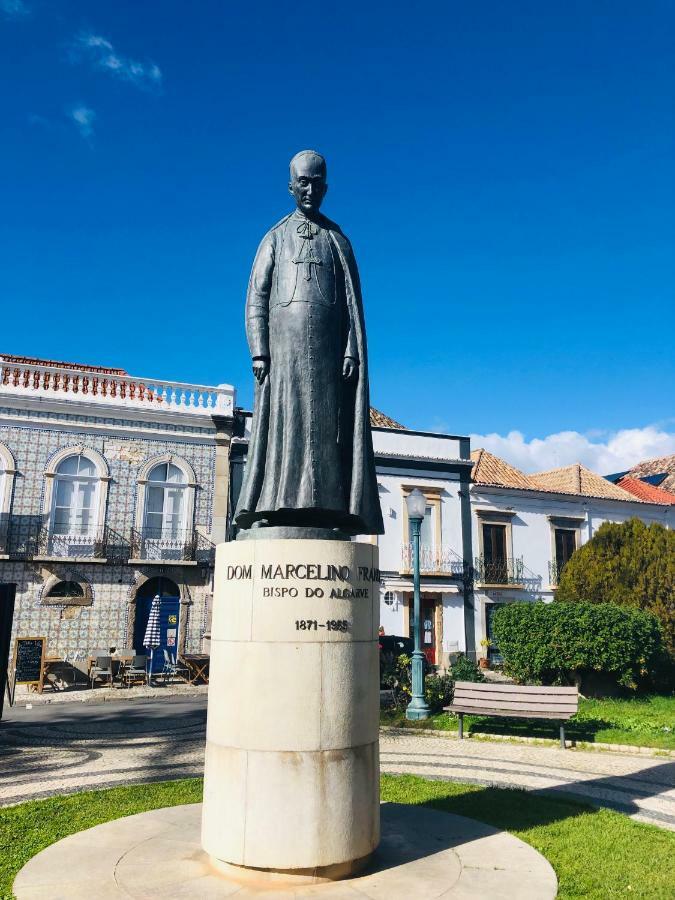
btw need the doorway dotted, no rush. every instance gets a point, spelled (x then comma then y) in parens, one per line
(494, 655)
(428, 611)
(169, 615)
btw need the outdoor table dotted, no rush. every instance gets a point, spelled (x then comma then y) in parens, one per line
(124, 660)
(50, 662)
(198, 666)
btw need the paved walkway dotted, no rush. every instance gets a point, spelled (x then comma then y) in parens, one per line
(643, 788)
(71, 747)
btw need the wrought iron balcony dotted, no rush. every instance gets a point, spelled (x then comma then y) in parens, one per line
(555, 568)
(433, 561)
(499, 571)
(27, 538)
(170, 544)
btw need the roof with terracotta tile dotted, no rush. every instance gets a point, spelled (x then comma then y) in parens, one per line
(36, 361)
(490, 469)
(656, 467)
(645, 491)
(577, 479)
(379, 420)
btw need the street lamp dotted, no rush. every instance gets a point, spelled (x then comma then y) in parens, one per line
(417, 708)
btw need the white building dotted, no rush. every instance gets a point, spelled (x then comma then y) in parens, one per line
(496, 536)
(525, 527)
(112, 489)
(439, 465)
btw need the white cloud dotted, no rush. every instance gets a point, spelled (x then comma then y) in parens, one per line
(101, 54)
(14, 9)
(602, 452)
(83, 117)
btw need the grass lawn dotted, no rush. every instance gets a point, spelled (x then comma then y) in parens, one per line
(645, 721)
(596, 853)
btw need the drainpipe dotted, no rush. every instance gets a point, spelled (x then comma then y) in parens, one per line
(589, 521)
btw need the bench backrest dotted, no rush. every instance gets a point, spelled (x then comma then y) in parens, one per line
(556, 702)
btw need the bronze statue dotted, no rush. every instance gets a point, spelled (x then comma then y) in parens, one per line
(310, 461)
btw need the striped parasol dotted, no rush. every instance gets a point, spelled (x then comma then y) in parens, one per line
(151, 639)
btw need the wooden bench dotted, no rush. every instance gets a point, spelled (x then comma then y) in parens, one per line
(514, 701)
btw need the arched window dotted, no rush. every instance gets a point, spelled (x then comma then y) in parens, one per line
(75, 507)
(7, 473)
(69, 591)
(165, 503)
(76, 491)
(164, 526)
(66, 590)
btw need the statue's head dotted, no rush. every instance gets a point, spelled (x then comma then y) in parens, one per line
(308, 180)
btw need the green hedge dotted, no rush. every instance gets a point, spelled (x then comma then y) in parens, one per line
(557, 643)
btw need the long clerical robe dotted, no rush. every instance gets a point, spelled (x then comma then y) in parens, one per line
(310, 460)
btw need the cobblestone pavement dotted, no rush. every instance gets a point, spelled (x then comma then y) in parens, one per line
(642, 787)
(72, 747)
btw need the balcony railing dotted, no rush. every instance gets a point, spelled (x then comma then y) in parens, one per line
(433, 561)
(26, 540)
(89, 386)
(499, 571)
(555, 568)
(168, 544)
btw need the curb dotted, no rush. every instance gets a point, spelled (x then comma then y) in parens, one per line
(632, 749)
(95, 699)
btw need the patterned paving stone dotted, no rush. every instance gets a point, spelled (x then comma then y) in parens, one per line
(71, 747)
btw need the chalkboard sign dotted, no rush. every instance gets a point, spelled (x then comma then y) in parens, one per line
(29, 654)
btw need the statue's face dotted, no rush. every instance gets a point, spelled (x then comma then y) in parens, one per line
(308, 183)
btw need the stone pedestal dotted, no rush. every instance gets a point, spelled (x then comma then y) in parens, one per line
(292, 771)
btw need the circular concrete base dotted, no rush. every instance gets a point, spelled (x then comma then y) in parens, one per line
(422, 854)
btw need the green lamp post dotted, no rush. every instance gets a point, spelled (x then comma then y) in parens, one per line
(417, 708)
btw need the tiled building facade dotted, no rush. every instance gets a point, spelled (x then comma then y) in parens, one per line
(112, 490)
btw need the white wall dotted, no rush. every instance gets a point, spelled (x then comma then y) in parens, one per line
(391, 482)
(532, 535)
(407, 443)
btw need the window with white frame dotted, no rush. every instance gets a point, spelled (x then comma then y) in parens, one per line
(75, 503)
(427, 531)
(165, 502)
(7, 473)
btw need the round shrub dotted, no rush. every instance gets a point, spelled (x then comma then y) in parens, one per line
(631, 564)
(560, 643)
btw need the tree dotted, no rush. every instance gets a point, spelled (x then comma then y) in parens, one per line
(631, 564)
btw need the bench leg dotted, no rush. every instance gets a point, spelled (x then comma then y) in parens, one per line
(562, 735)
(461, 726)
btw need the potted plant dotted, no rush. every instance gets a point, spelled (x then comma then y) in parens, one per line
(484, 660)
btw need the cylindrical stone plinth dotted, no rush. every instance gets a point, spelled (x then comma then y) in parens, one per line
(292, 768)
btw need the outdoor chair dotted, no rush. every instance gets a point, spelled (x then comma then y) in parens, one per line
(136, 671)
(102, 669)
(172, 668)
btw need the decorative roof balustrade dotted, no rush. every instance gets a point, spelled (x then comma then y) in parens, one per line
(109, 388)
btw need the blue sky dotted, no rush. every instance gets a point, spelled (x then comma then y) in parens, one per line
(505, 173)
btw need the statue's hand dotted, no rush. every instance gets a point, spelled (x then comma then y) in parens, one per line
(349, 367)
(261, 368)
